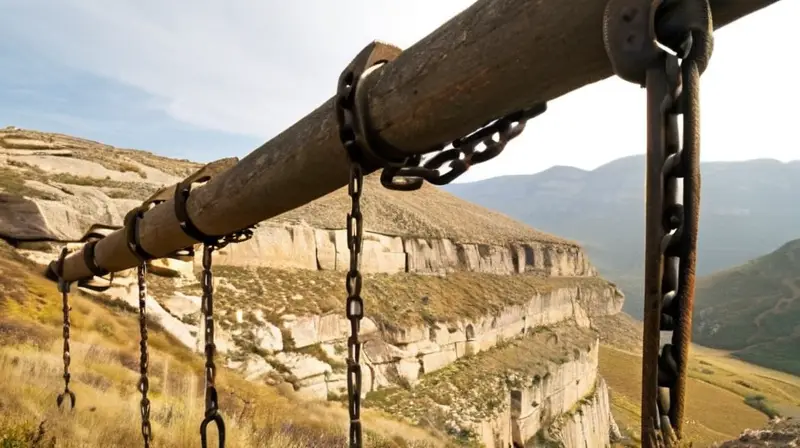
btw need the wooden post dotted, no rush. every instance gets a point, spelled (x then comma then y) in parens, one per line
(501, 55)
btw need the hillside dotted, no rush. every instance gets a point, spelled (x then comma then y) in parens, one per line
(104, 367)
(744, 212)
(724, 396)
(753, 310)
(479, 329)
(450, 289)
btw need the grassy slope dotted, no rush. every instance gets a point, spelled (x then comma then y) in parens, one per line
(718, 387)
(753, 310)
(105, 372)
(392, 300)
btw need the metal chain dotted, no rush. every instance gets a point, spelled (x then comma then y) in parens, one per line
(63, 288)
(354, 306)
(144, 359)
(207, 307)
(632, 32)
(494, 136)
(679, 240)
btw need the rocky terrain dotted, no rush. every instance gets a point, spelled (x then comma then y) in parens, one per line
(456, 296)
(478, 328)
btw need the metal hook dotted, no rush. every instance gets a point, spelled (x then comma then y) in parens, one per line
(61, 396)
(212, 416)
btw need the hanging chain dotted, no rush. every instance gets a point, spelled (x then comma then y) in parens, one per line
(354, 306)
(144, 359)
(207, 307)
(672, 81)
(63, 288)
(464, 153)
(679, 241)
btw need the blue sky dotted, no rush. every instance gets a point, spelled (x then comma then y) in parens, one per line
(203, 80)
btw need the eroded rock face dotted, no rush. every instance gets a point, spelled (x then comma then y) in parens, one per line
(568, 407)
(779, 433)
(295, 246)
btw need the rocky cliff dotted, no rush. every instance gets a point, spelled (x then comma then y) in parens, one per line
(459, 300)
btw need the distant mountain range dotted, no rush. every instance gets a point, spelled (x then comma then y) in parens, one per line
(747, 209)
(753, 310)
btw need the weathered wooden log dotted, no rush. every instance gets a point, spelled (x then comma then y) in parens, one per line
(493, 58)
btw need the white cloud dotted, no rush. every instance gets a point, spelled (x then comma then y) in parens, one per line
(254, 68)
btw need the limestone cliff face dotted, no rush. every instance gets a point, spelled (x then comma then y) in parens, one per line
(54, 187)
(304, 247)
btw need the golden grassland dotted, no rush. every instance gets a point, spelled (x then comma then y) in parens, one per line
(724, 395)
(104, 368)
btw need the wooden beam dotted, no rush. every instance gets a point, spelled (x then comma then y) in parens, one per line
(493, 58)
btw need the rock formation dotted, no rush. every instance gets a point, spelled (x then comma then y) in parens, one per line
(483, 323)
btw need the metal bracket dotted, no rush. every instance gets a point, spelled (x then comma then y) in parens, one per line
(629, 37)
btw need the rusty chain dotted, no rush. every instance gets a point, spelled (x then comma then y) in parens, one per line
(365, 147)
(63, 288)
(463, 154)
(144, 358)
(632, 35)
(207, 308)
(354, 306)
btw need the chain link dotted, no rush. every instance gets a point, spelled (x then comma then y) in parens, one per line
(207, 308)
(63, 288)
(354, 306)
(636, 34)
(144, 359)
(679, 240)
(464, 153)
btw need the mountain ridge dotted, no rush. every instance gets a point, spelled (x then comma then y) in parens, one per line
(745, 212)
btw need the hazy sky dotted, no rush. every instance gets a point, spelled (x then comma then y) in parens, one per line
(206, 79)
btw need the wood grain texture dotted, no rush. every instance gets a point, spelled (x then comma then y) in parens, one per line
(495, 57)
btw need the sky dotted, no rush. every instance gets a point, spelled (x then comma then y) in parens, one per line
(202, 79)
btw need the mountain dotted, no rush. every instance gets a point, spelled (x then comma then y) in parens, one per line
(745, 212)
(753, 310)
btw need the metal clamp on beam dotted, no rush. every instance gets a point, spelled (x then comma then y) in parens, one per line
(132, 234)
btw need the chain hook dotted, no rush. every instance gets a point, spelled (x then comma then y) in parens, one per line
(64, 288)
(207, 308)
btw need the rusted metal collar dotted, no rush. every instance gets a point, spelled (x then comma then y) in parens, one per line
(635, 33)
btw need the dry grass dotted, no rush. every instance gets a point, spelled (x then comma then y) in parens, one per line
(104, 376)
(108, 156)
(717, 390)
(13, 182)
(473, 388)
(392, 300)
(429, 212)
(114, 188)
(723, 395)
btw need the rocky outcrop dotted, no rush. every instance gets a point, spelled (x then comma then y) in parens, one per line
(589, 424)
(285, 245)
(534, 409)
(783, 433)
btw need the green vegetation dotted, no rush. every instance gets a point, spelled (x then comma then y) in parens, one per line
(753, 310)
